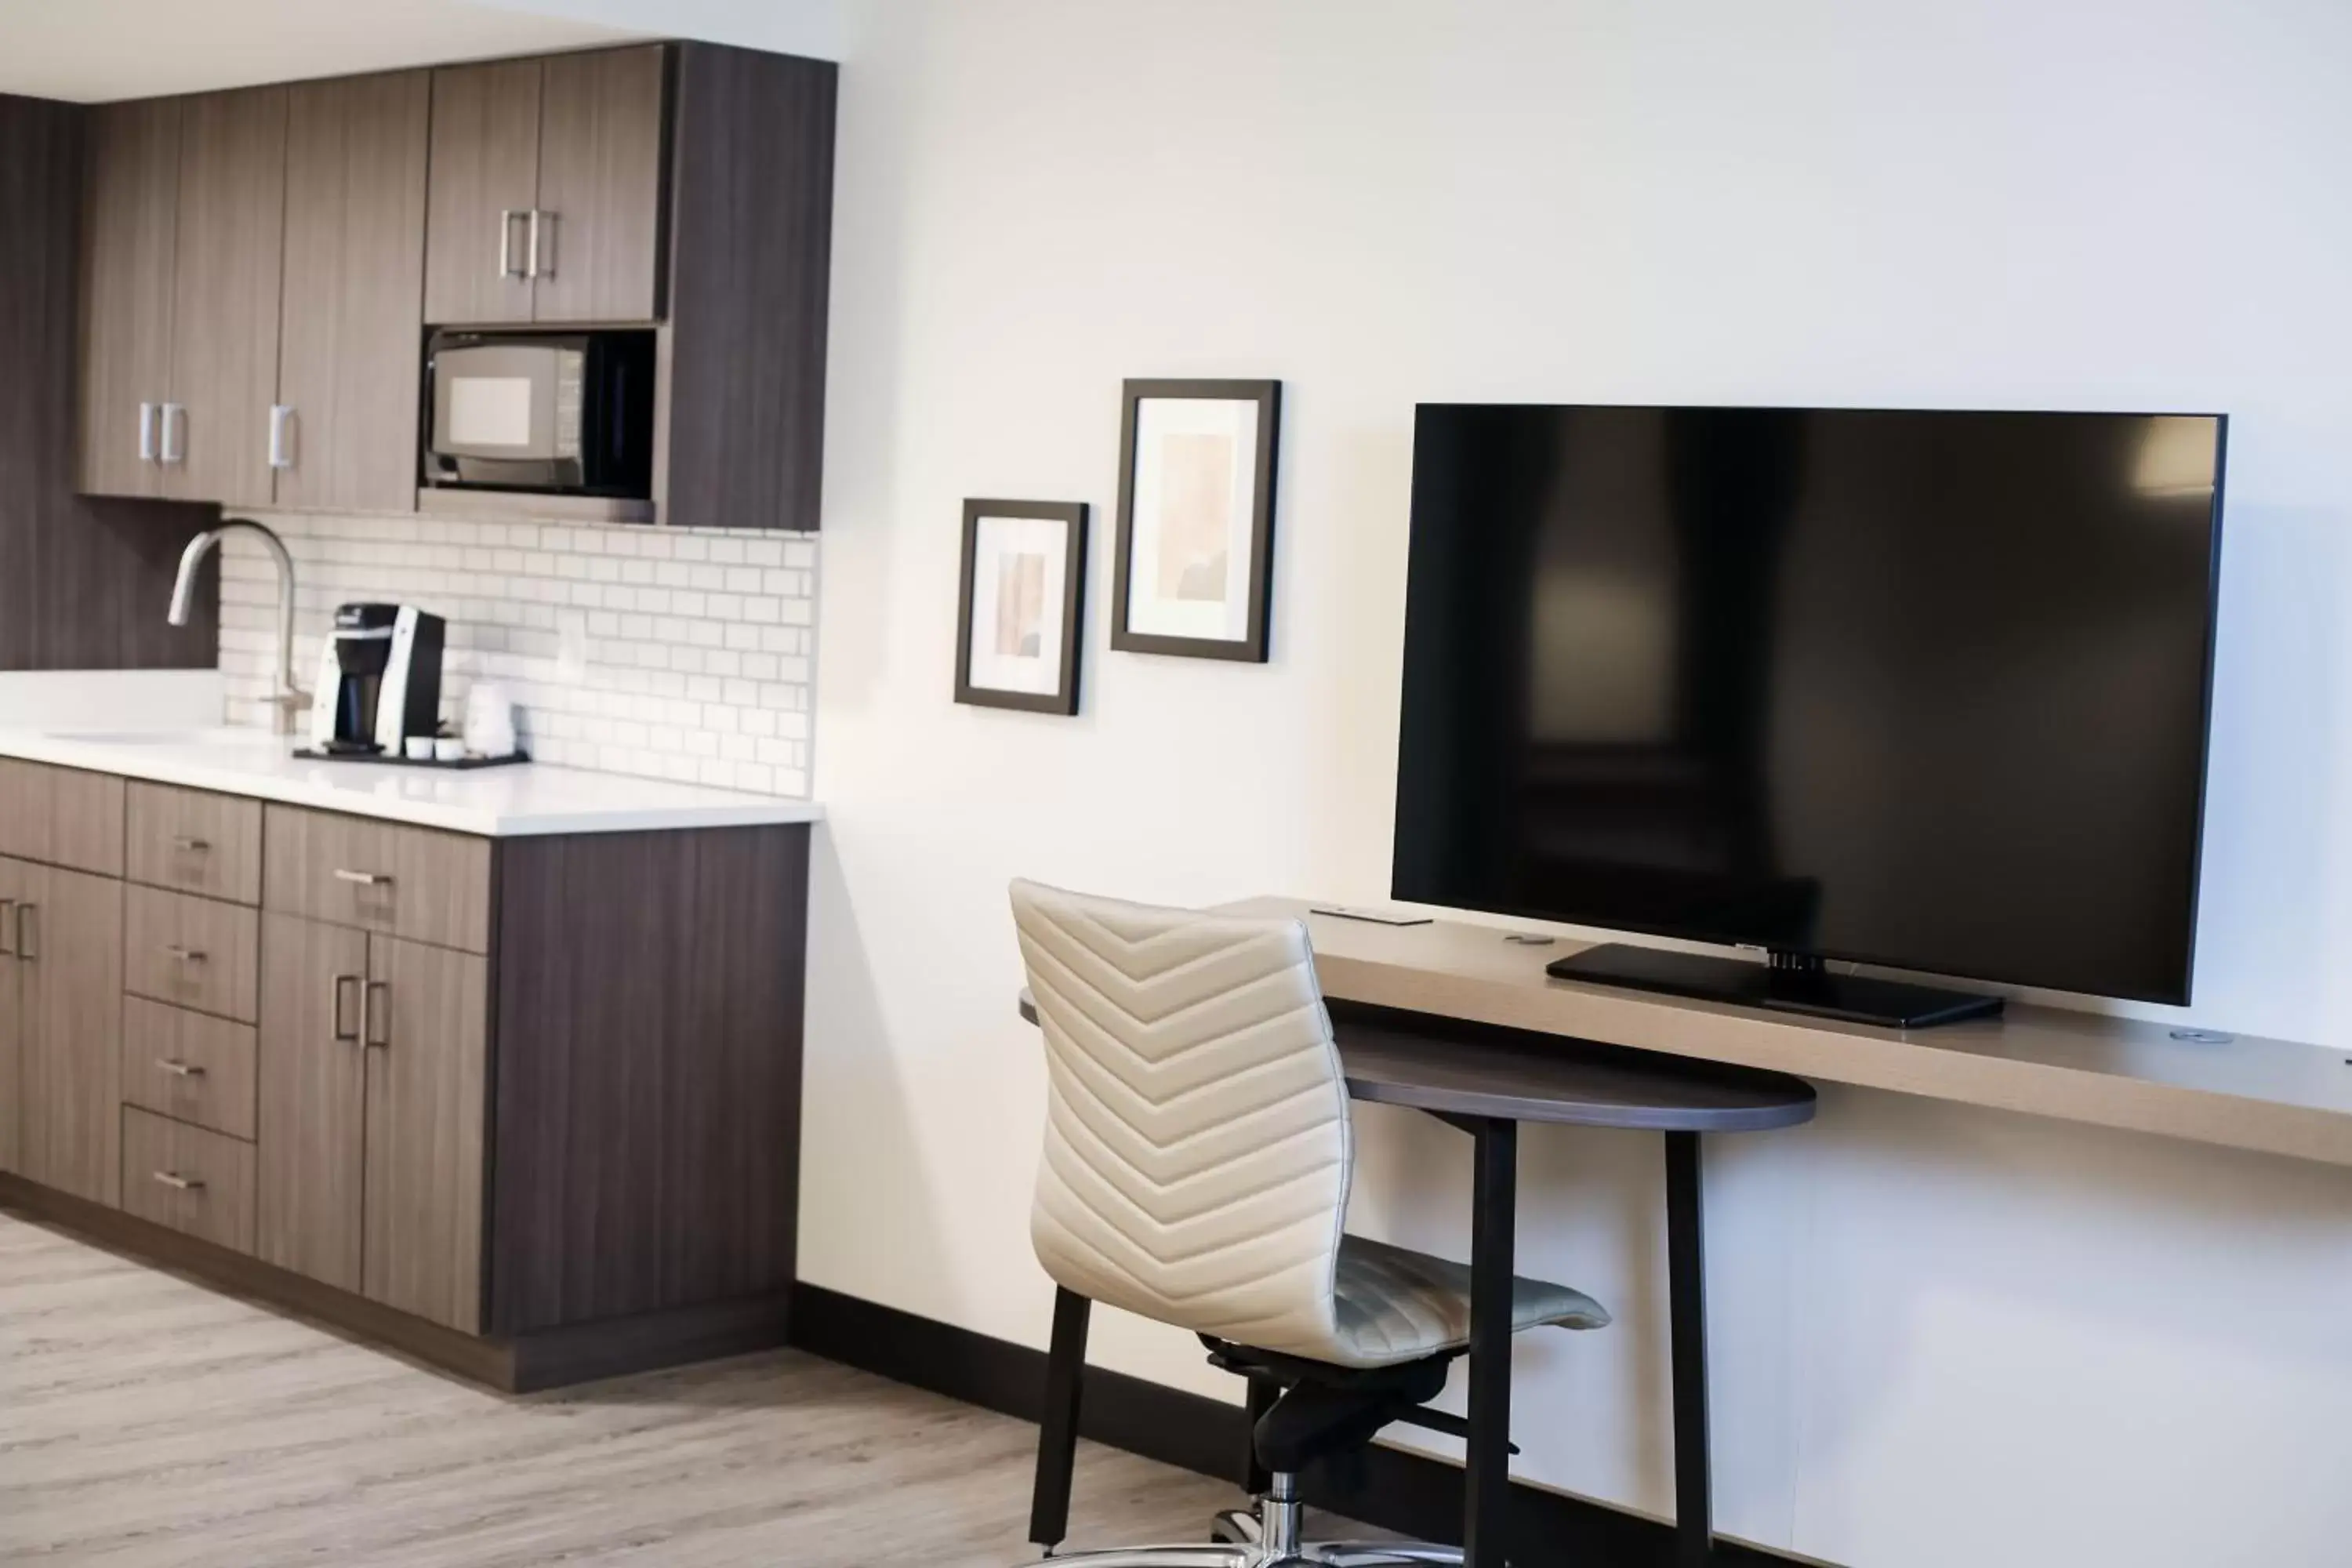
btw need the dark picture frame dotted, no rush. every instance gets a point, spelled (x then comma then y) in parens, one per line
(1258, 591)
(1064, 698)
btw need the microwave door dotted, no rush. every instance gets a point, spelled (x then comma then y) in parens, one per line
(499, 403)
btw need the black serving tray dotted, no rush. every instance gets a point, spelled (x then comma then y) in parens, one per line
(462, 764)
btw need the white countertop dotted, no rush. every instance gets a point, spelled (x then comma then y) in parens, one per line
(508, 802)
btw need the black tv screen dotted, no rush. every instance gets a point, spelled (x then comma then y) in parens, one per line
(1927, 690)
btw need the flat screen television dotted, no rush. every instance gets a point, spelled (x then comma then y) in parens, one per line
(1926, 691)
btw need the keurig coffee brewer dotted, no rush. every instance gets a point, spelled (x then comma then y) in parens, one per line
(379, 680)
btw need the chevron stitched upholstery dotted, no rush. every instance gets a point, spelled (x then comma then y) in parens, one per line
(1197, 1142)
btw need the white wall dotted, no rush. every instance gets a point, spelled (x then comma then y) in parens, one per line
(1943, 1337)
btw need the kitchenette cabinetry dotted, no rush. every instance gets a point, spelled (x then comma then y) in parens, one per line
(546, 196)
(251, 258)
(258, 266)
(343, 435)
(525, 1106)
(130, 235)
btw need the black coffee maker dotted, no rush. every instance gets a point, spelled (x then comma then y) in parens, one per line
(379, 680)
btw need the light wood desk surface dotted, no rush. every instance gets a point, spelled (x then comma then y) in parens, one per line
(2280, 1097)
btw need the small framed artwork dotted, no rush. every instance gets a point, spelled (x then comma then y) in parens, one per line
(1194, 574)
(1024, 572)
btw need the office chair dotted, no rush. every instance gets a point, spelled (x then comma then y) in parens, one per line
(1196, 1167)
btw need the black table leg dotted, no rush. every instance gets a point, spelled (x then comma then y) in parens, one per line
(1686, 1314)
(1057, 1424)
(1488, 1468)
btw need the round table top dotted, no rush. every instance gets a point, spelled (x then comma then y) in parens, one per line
(1537, 1078)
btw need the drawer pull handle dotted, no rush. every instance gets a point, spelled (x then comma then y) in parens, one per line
(335, 1005)
(190, 845)
(178, 1068)
(26, 930)
(182, 1183)
(178, 954)
(375, 1015)
(7, 909)
(362, 879)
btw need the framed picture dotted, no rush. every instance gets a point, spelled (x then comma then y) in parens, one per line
(1024, 572)
(1195, 569)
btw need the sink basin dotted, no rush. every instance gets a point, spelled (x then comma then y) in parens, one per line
(218, 737)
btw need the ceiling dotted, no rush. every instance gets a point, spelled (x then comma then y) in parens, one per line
(94, 50)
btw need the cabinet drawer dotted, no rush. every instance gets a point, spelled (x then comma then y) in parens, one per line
(187, 1178)
(188, 1066)
(191, 952)
(194, 841)
(409, 883)
(61, 816)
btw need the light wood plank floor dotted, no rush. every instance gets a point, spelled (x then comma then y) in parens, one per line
(148, 1422)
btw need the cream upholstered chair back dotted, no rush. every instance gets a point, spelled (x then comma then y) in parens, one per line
(1197, 1142)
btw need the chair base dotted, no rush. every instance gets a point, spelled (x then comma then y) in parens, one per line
(1267, 1538)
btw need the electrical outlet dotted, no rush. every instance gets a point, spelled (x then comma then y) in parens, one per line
(572, 646)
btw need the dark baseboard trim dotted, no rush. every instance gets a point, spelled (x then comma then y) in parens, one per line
(547, 1358)
(1409, 1493)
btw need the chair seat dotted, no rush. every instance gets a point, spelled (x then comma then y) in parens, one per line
(1397, 1305)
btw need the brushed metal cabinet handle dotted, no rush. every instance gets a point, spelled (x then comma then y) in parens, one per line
(532, 265)
(146, 432)
(8, 922)
(375, 1012)
(179, 955)
(26, 929)
(179, 1069)
(507, 267)
(281, 445)
(190, 845)
(362, 879)
(335, 984)
(175, 419)
(182, 1183)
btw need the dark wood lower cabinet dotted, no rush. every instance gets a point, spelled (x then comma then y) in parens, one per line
(572, 1155)
(426, 1023)
(66, 937)
(311, 1114)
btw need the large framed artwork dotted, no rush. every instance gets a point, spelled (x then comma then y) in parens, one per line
(1024, 572)
(1194, 574)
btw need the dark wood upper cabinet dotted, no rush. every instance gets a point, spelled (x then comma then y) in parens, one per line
(225, 297)
(599, 187)
(259, 265)
(129, 222)
(546, 190)
(350, 319)
(740, 411)
(485, 181)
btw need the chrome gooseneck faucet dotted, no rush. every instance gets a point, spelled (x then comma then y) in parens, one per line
(288, 699)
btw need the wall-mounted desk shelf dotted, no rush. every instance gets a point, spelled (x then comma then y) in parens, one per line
(2280, 1097)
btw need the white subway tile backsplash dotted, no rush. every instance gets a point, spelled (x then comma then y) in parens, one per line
(692, 658)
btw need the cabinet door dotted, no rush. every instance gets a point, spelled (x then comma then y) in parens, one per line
(599, 187)
(427, 1047)
(12, 1021)
(485, 164)
(231, 218)
(129, 220)
(69, 941)
(27, 791)
(349, 358)
(309, 1109)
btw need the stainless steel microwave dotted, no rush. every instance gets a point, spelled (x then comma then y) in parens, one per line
(569, 412)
